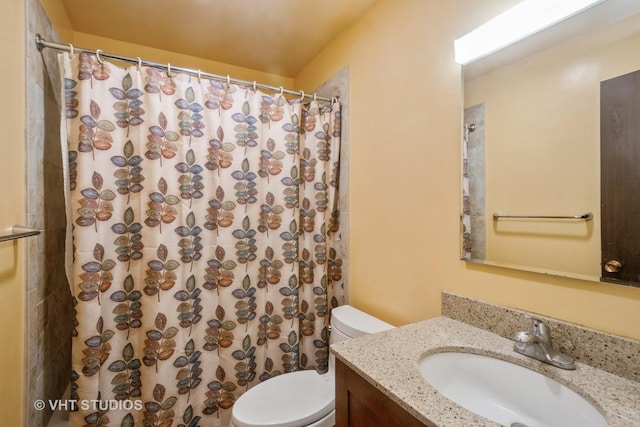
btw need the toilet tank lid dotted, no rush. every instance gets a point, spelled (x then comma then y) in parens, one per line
(354, 323)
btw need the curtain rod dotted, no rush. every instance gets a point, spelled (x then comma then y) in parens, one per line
(42, 43)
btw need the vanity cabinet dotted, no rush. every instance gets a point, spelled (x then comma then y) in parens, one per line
(359, 404)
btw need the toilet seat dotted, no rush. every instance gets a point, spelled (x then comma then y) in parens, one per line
(290, 400)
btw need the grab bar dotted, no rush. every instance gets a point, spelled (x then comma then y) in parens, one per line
(18, 232)
(586, 216)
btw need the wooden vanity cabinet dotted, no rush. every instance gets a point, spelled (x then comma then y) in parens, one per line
(359, 404)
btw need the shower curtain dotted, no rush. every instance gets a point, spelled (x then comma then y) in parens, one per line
(206, 250)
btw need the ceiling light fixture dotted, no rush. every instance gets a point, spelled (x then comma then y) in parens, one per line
(521, 21)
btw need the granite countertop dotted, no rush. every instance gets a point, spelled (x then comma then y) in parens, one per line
(389, 361)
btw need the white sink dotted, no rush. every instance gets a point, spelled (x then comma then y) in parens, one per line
(507, 393)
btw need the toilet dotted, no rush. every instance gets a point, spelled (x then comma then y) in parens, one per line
(303, 398)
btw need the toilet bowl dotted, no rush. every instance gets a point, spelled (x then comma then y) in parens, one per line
(303, 398)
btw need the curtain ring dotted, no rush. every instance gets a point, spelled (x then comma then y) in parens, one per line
(71, 51)
(228, 80)
(302, 95)
(255, 86)
(139, 63)
(281, 91)
(168, 69)
(98, 52)
(199, 76)
(334, 100)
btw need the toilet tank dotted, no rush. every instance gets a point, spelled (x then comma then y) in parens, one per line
(348, 322)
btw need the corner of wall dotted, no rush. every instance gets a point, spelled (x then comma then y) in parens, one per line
(48, 299)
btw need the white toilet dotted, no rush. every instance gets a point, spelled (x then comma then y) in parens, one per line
(303, 398)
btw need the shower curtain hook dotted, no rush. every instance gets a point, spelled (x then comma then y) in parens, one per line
(281, 91)
(168, 69)
(228, 80)
(315, 97)
(255, 86)
(302, 95)
(98, 52)
(139, 63)
(199, 76)
(71, 51)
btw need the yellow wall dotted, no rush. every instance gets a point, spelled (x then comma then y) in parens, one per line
(117, 47)
(12, 193)
(58, 16)
(543, 147)
(405, 103)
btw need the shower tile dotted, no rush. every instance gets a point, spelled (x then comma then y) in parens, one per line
(35, 120)
(43, 67)
(52, 151)
(33, 332)
(476, 168)
(38, 22)
(53, 198)
(35, 187)
(55, 384)
(48, 300)
(58, 307)
(34, 253)
(34, 392)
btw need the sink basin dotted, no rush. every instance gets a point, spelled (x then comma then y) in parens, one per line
(507, 393)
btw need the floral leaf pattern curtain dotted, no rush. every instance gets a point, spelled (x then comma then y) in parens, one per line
(205, 241)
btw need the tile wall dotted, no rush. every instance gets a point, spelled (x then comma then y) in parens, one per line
(48, 299)
(476, 164)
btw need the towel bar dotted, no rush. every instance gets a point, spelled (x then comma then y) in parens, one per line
(18, 232)
(586, 216)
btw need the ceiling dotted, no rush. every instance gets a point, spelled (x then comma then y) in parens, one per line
(273, 36)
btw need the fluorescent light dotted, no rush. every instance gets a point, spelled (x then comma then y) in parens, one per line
(521, 21)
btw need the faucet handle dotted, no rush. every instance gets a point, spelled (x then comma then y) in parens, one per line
(525, 337)
(540, 330)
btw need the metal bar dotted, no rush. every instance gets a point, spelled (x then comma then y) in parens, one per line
(586, 216)
(18, 232)
(41, 44)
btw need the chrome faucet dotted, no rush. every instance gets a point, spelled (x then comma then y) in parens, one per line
(537, 344)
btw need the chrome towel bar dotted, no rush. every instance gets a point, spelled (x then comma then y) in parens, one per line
(18, 232)
(586, 216)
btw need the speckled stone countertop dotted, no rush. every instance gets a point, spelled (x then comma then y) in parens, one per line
(389, 361)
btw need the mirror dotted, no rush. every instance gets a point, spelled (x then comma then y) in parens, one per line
(532, 148)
